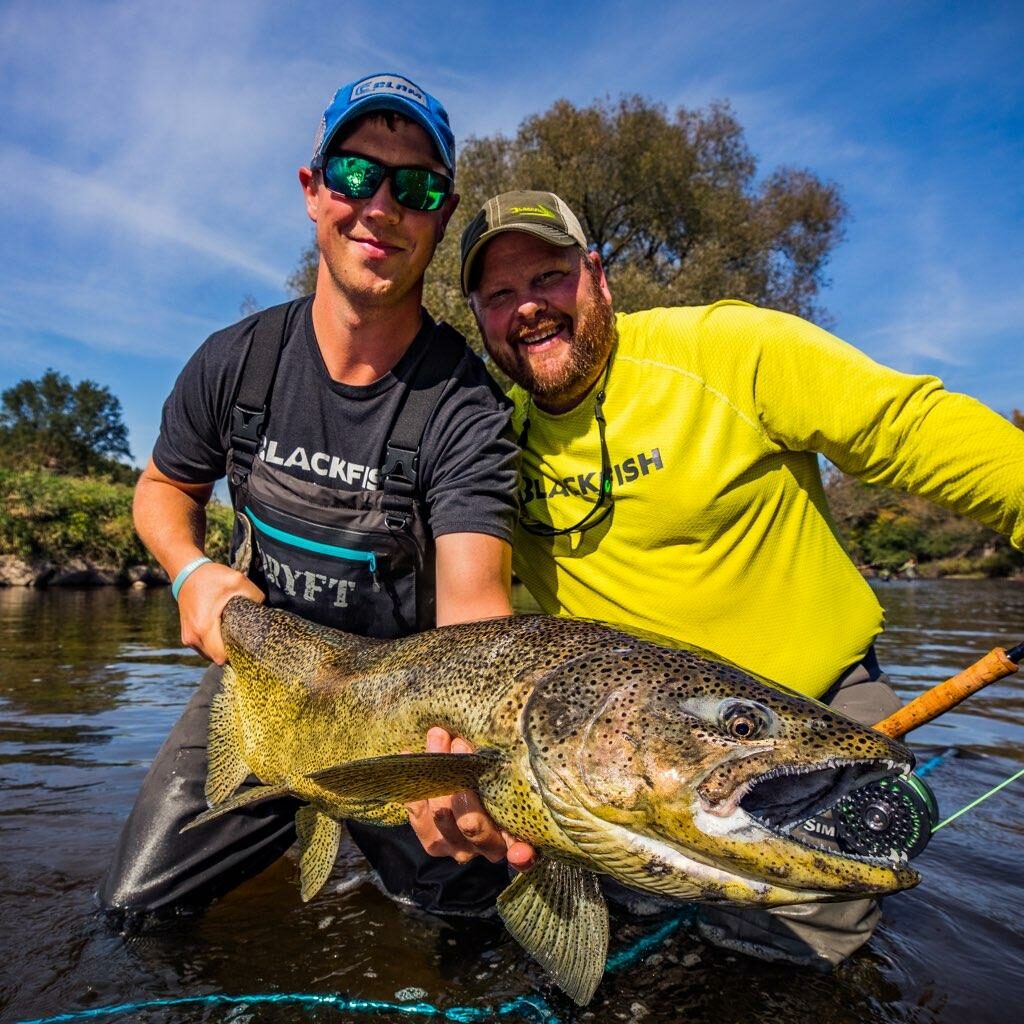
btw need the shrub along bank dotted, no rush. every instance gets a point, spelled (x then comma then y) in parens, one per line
(58, 529)
(65, 529)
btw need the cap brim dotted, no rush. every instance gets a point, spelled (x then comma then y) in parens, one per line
(547, 232)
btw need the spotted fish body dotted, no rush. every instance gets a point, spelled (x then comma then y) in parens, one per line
(668, 769)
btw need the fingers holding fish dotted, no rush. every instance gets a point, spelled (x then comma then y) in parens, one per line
(201, 600)
(433, 821)
(474, 824)
(457, 826)
(521, 856)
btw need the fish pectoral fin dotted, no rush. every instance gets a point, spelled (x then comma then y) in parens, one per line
(558, 914)
(243, 799)
(318, 836)
(401, 778)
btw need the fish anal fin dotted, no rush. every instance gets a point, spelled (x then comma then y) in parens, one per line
(401, 778)
(248, 796)
(558, 914)
(227, 767)
(319, 836)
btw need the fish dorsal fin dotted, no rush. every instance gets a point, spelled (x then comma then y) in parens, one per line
(318, 837)
(227, 767)
(243, 799)
(401, 778)
(557, 913)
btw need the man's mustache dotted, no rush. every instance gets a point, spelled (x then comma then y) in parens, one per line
(547, 326)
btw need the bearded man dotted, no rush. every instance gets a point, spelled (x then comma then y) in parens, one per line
(670, 482)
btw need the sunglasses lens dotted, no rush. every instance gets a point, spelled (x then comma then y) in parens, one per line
(352, 176)
(420, 189)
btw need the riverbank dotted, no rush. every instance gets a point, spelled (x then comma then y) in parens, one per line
(78, 532)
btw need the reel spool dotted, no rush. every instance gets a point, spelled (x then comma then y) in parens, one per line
(890, 814)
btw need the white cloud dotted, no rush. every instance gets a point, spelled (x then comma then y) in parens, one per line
(149, 149)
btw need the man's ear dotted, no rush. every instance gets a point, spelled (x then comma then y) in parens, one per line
(450, 206)
(602, 281)
(310, 182)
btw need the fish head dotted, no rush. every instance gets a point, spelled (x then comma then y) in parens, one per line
(694, 775)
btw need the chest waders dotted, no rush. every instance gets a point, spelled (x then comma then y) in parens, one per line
(361, 561)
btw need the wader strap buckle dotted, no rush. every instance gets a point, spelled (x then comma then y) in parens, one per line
(398, 481)
(400, 467)
(246, 432)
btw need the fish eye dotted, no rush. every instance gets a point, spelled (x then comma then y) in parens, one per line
(743, 720)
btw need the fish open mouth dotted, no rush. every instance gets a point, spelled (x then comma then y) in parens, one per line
(785, 797)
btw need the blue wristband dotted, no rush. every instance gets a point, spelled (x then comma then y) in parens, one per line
(186, 572)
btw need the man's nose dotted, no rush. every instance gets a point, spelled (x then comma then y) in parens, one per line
(530, 306)
(382, 204)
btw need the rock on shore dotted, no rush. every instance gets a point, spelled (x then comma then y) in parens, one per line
(78, 572)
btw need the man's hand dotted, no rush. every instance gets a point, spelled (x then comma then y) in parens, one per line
(458, 826)
(170, 517)
(201, 600)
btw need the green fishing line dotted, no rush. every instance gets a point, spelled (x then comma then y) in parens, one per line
(974, 803)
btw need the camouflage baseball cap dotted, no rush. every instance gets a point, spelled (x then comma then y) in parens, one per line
(537, 213)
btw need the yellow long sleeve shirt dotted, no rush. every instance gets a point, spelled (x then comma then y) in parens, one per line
(720, 533)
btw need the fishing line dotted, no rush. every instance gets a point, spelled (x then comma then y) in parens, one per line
(530, 1008)
(533, 1008)
(974, 803)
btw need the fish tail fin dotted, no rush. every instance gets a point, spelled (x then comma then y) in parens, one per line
(227, 767)
(319, 836)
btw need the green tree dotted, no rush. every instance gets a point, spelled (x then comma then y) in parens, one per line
(672, 201)
(71, 429)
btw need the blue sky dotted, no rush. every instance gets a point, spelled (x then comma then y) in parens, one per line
(148, 155)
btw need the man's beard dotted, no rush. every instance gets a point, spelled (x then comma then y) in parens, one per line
(564, 386)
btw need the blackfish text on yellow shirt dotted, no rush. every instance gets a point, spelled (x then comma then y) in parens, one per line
(720, 533)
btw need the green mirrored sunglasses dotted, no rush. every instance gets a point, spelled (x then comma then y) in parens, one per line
(359, 177)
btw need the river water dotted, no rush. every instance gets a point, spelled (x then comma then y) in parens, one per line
(91, 681)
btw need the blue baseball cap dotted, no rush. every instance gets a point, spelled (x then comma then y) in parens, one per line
(385, 92)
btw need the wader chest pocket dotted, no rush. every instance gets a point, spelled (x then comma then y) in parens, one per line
(315, 547)
(353, 579)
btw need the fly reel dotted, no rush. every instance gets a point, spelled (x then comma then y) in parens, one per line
(890, 814)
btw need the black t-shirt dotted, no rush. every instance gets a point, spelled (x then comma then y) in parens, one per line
(334, 434)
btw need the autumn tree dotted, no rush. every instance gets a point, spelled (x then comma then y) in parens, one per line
(70, 428)
(671, 200)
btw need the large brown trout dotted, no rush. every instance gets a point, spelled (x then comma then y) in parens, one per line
(668, 769)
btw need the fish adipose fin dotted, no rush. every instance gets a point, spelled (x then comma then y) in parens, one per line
(401, 778)
(318, 836)
(558, 914)
(227, 769)
(243, 799)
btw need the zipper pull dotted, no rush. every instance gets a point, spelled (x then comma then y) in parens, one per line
(372, 562)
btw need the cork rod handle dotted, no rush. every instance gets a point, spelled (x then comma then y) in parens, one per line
(994, 666)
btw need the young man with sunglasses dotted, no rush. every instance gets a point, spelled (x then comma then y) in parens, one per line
(670, 482)
(372, 473)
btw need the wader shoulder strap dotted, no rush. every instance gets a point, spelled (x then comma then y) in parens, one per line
(431, 376)
(250, 410)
